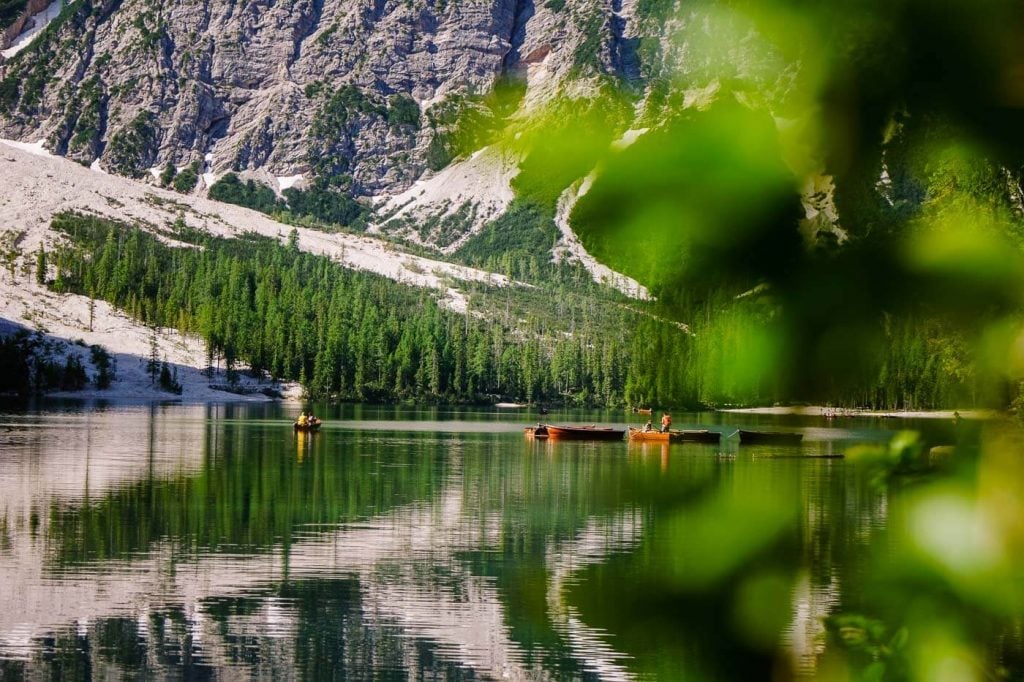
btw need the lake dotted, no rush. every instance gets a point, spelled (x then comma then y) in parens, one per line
(212, 541)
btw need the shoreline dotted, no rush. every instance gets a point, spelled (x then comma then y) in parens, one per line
(822, 411)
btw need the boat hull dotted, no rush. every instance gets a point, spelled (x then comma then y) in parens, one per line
(583, 433)
(684, 436)
(700, 436)
(312, 428)
(770, 437)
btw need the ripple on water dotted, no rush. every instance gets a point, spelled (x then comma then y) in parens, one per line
(145, 540)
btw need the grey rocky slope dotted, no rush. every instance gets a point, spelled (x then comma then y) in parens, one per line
(364, 93)
(397, 102)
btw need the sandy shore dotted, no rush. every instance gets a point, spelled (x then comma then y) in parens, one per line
(821, 411)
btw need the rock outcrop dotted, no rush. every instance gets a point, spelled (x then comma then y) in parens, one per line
(363, 95)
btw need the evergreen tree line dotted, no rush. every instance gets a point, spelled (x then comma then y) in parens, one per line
(352, 335)
(34, 364)
(356, 336)
(317, 206)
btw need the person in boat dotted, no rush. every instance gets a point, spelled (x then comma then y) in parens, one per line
(303, 420)
(648, 426)
(312, 420)
(666, 422)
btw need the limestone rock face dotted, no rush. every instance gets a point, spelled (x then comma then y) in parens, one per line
(357, 93)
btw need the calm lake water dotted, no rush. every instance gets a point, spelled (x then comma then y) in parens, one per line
(212, 541)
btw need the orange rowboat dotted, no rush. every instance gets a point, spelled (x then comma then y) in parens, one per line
(685, 436)
(574, 432)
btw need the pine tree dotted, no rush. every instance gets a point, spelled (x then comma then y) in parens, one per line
(41, 265)
(153, 364)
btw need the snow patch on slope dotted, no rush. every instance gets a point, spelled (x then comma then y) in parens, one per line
(36, 25)
(36, 148)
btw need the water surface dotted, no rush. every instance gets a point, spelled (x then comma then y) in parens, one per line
(168, 540)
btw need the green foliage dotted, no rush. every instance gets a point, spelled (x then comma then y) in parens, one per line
(463, 124)
(517, 244)
(73, 378)
(233, 500)
(904, 454)
(696, 206)
(313, 90)
(88, 112)
(9, 93)
(186, 180)
(168, 173)
(30, 71)
(250, 194)
(326, 205)
(403, 111)
(587, 56)
(317, 204)
(35, 364)
(869, 645)
(357, 336)
(325, 36)
(153, 362)
(131, 149)
(440, 151)
(10, 10)
(106, 370)
(555, 5)
(41, 266)
(168, 380)
(657, 9)
(329, 138)
(15, 358)
(149, 38)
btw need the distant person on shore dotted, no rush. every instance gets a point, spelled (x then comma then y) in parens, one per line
(666, 422)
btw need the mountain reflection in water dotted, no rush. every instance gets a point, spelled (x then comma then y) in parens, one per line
(178, 540)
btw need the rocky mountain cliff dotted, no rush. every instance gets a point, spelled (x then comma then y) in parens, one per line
(361, 95)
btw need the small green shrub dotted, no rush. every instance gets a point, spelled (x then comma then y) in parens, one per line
(403, 111)
(186, 180)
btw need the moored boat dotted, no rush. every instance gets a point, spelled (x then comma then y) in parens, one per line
(583, 432)
(770, 437)
(681, 436)
(699, 436)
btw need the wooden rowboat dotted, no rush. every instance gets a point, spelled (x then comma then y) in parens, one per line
(770, 437)
(576, 432)
(699, 436)
(307, 428)
(683, 436)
